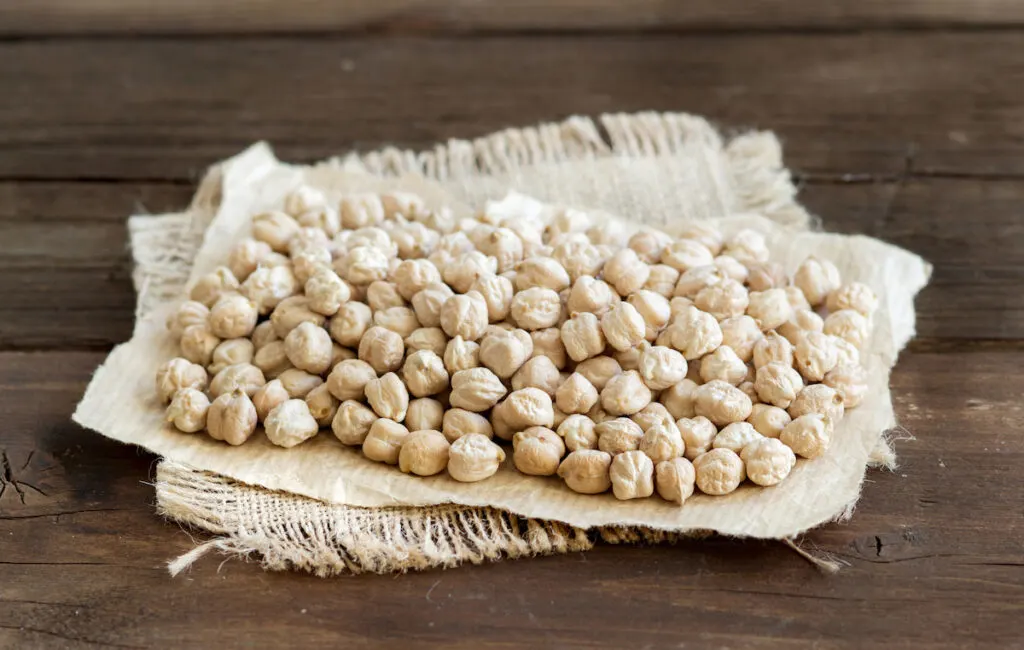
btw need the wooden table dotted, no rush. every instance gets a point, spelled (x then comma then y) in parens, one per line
(904, 122)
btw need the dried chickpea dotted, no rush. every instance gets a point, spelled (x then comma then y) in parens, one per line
(230, 352)
(767, 461)
(382, 349)
(406, 204)
(476, 389)
(246, 256)
(384, 441)
(268, 397)
(723, 300)
(579, 259)
(808, 435)
(773, 348)
(388, 397)
(179, 374)
(625, 394)
(232, 418)
(623, 327)
(415, 240)
(721, 403)
(686, 254)
(847, 324)
(741, 333)
(662, 280)
(854, 295)
(245, 376)
(850, 381)
(661, 443)
(818, 398)
(198, 343)
(538, 372)
(303, 199)
(778, 384)
(292, 312)
(628, 359)
(352, 422)
(802, 322)
(536, 308)
(428, 303)
(308, 347)
(661, 367)
(461, 354)
(233, 316)
(846, 353)
(272, 360)
(424, 453)
(747, 246)
(695, 333)
(599, 370)
(547, 344)
(748, 389)
(322, 405)
(770, 308)
(326, 292)
(537, 451)
(290, 423)
(736, 436)
(731, 268)
(626, 271)
(298, 383)
(213, 286)
(339, 354)
(598, 414)
(698, 435)
(719, 471)
(586, 471)
(424, 373)
(505, 352)
(497, 293)
(307, 263)
(578, 432)
(381, 294)
(365, 264)
(321, 217)
(460, 422)
(307, 239)
(649, 244)
(766, 275)
(350, 323)
(528, 407)
(465, 316)
(674, 479)
(632, 475)
(654, 309)
(543, 272)
(190, 312)
(268, 286)
(768, 420)
(589, 294)
(263, 334)
(500, 427)
(815, 355)
(583, 336)
(652, 414)
(463, 271)
(618, 435)
(695, 280)
(414, 275)
(723, 364)
(425, 413)
(704, 232)
(400, 320)
(503, 245)
(678, 399)
(473, 457)
(188, 410)
(576, 394)
(816, 279)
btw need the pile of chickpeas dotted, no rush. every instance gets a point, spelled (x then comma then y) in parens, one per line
(637, 365)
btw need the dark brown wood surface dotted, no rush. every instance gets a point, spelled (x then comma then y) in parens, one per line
(910, 135)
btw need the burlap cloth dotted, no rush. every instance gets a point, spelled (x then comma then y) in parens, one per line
(324, 508)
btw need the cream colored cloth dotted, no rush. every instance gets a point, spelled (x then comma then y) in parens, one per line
(657, 169)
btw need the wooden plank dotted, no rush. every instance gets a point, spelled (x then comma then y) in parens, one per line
(167, 108)
(46, 17)
(932, 559)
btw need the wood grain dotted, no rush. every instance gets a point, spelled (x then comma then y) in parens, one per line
(47, 17)
(933, 561)
(167, 108)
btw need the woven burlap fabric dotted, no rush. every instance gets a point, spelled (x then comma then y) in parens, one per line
(658, 168)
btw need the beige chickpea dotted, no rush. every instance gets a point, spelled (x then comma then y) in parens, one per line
(598, 414)
(427, 338)
(352, 422)
(816, 279)
(326, 292)
(770, 308)
(505, 352)
(578, 432)
(723, 300)
(698, 435)
(415, 240)
(678, 399)
(384, 441)
(298, 383)
(579, 259)
(736, 436)
(599, 370)
(188, 313)
(504, 246)
(808, 435)
(497, 293)
(741, 334)
(694, 280)
(537, 451)
(586, 471)
(818, 398)
(308, 347)
(747, 246)
(543, 272)
(322, 217)
(213, 286)
(686, 254)
(461, 354)
(626, 272)
(662, 280)
(474, 457)
(768, 420)
(382, 294)
(460, 422)
(198, 343)
(568, 221)
(695, 333)
(632, 475)
(662, 442)
(275, 229)
(361, 210)
(428, 302)
(308, 239)
(303, 199)
(731, 268)
(538, 372)
(339, 354)
(461, 273)
(307, 263)
(721, 403)
(674, 479)
(528, 407)
(383, 349)
(424, 453)
(652, 414)
(649, 244)
(388, 397)
(292, 312)
(290, 423)
(654, 309)
(414, 275)
(406, 204)
(365, 264)
(583, 336)
(230, 352)
(628, 359)
(476, 389)
(268, 286)
(848, 325)
(425, 413)
(773, 348)
(815, 355)
(623, 327)
(766, 275)
(748, 389)
(400, 320)
(246, 256)
(778, 384)
(351, 322)
(245, 376)
(272, 360)
(268, 397)
(188, 410)
(850, 381)
(322, 405)
(576, 395)
(767, 461)
(704, 232)
(846, 352)
(536, 308)
(424, 373)
(465, 316)
(625, 394)
(661, 367)
(589, 294)
(179, 374)
(718, 472)
(802, 322)
(723, 364)
(796, 298)
(501, 428)
(618, 435)
(854, 295)
(232, 418)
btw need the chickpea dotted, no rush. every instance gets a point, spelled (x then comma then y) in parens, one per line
(808, 435)
(232, 418)
(465, 316)
(188, 410)
(461, 354)
(723, 300)
(718, 472)
(461, 273)
(770, 308)
(747, 246)
(476, 389)
(695, 333)
(703, 232)
(768, 420)
(583, 336)
(847, 324)
(246, 256)
(268, 286)
(190, 312)
(427, 303)
(547, 343)
(352, 422)
(652, 414)
(778, 384)
(626, 271)
(632, 475)
(674, 479)
(618, 435)
(816, 279)
(694, 280)
(432, 339)
(721, 403)
(543, 272)
(388, 397)
(298, 383)
(662, 280)
(400, 320)
(818, 398)
(599, 370)
(850, 381)
(773, 348)
(854, 295)
(382, 349)
(504, 353)
(245, 376)
(766, 275)
(292, 312)
(589, 294)
(213, 286)
(424, 453)
(267, 397)
(350, 323)
(230, 352)
(290, 423)
(768, 461)
(800, 324)
(425, 413)
(308, 347)
(385, 440)
(686, 254)
(538, 372)
(698, 435)
(661, 367)
(179, 374)
(576, 395)
(731, 268)
(586, 471)
(537, 451)
(736, 436)
(661, 442)
(474, 457)
(578, 432)
(425, 373)
(198, 343)
(623, 326)
(678, 399)
(815, 356)
(272, 359)
(536, 308)
(579, 258)
(649, 244)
